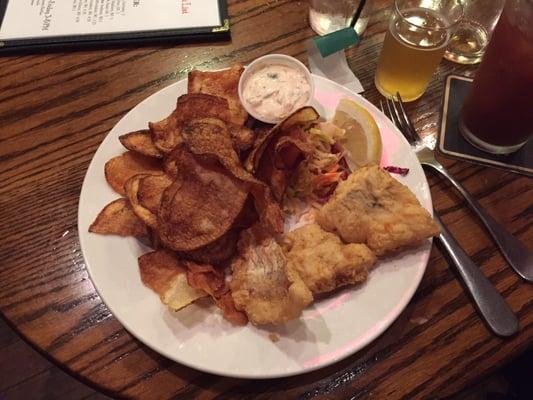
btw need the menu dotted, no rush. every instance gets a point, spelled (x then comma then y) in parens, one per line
(39, 20)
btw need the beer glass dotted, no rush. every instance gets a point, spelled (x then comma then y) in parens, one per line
(418, 34)
(473, 32)
(497, 115)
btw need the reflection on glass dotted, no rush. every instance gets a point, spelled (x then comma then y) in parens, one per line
(326, 16)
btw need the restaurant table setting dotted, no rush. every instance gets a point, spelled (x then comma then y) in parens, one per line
(239, 200)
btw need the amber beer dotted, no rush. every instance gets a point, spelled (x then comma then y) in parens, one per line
(414, 44)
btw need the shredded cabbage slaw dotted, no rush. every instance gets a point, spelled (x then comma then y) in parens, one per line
(315, 179)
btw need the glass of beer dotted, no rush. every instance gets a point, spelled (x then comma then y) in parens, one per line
(418, 34)
(497, 115)
(473, 32)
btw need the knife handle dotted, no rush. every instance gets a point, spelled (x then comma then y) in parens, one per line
(519, 257)
(490, 304)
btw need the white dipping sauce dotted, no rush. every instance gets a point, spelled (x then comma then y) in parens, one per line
(275, 90)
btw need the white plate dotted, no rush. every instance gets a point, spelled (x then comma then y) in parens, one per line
(198, 336)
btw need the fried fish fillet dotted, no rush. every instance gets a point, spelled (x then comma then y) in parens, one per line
(374, 208)
(223, 84)
(263, 286)
(323, 262)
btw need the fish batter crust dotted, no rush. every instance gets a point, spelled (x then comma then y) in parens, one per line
(263, 286)
(374, 208)
(325, 263)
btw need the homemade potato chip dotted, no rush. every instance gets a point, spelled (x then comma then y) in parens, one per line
(140, 142)
(224, 247)
(169, 166)
(224, 139)
(302, 117)
(227, 305)
(118, 218)
(277, 154)
(205, 277)
(210, 137)
(242, 137)
(292, 149)
(248, 215)
(121, 168)
(215, 252)
(201, 205)
(164, 273)
(155, 241)
(144, 192)
(281, 158)
(223, 83)
(261, 130)
(151, 188)
(166, 134)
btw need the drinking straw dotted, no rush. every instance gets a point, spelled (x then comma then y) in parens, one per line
(341, 39)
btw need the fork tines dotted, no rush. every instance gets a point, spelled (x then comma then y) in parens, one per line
(395, 110)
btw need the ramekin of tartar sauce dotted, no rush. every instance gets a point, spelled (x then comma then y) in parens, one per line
(275, 85)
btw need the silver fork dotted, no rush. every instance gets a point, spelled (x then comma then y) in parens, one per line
(490, 304)
(515, 252)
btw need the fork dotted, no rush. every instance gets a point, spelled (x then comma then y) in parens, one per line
(515, 252)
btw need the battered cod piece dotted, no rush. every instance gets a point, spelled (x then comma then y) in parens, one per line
(374, 208)
(325, 263)
(263, 286)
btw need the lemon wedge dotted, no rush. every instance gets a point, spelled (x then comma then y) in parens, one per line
(362, 140)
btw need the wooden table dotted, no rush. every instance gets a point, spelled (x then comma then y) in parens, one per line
(56, 108)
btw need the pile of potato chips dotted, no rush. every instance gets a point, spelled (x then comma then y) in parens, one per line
(193, 181)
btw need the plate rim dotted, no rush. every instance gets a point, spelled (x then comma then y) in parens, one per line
(369, 338)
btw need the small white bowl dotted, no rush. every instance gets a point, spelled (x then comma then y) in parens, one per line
(271, 59)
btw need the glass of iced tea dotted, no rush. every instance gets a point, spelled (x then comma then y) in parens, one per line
(418, 34)
(497, 115)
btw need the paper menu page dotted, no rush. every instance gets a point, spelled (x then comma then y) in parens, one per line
(25, 19)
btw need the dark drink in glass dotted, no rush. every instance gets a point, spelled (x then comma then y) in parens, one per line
(497, 116)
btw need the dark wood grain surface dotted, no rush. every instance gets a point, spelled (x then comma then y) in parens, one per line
(56, 108)
(26, 375)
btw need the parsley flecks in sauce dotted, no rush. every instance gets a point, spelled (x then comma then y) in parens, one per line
(274, 91)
